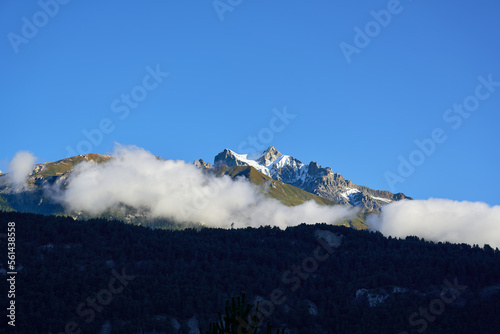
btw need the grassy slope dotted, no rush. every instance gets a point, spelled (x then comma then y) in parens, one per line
(288, 194)
(4, 205)
(31, 201)
(60, 167)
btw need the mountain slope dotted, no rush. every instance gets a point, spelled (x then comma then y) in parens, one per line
(37, 195)
(60, 167)
(312, 178)
(287, 194)
(33, 197)
(368, 284)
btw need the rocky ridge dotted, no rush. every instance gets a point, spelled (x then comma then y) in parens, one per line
(311, 177)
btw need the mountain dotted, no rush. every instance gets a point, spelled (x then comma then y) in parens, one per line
(33, 197)
(36, 195)
(311, 177)
(285, 193)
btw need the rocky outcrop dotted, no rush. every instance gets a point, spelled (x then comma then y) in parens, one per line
(228, 158)
(202, 164)
(313, 178)
(270, 155)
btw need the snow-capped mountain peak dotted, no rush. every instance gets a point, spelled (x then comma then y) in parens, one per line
(231, 158)
(268, 162)
(269, 156)
(312, 178)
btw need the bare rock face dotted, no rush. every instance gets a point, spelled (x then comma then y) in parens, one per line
(193, 325)
(313, 178)
(202, 164)
(333, 240)
(270, 155)
(228, 158)
(175, 324)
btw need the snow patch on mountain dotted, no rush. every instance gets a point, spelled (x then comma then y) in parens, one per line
(348, 192)
(271, 165)
(249, 159)
(311, 177)
(381, 199)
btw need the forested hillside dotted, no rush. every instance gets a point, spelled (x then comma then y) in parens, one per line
(86, 274)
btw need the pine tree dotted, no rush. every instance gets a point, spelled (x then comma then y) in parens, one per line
(235, 321)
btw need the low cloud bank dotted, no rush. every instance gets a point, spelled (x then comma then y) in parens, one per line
(440, 220)
(20, 167)
(182, 192)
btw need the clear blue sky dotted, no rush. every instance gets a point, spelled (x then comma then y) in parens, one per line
(227, 76)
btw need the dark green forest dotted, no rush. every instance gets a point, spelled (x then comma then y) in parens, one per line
(76, 276)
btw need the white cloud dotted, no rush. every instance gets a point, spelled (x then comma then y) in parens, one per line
(182, 192)
(20, 167)
(441, 220)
